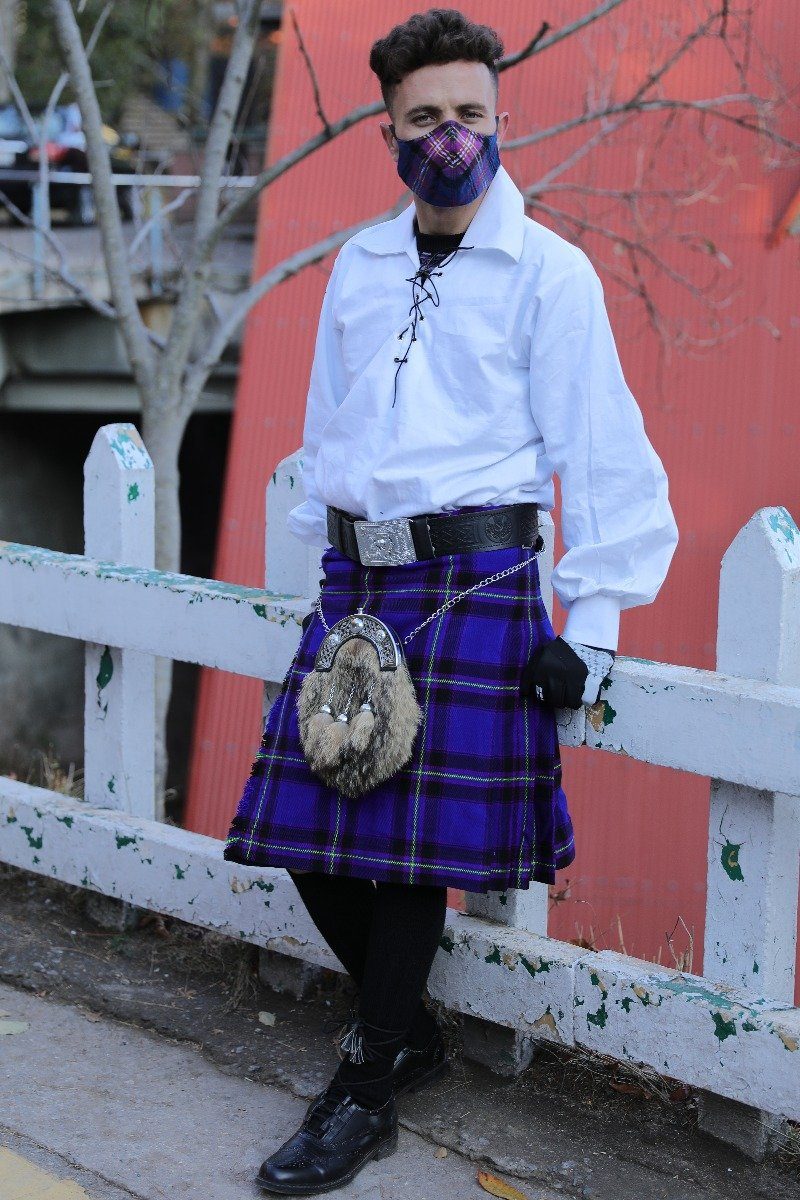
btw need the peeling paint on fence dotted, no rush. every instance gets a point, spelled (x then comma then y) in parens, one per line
(723, 1038)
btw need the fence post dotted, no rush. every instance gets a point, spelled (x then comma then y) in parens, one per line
(119, 712)
(294, 568)
(754, 835)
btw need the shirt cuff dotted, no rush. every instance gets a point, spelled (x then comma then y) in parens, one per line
(594, 621)
(305, 523)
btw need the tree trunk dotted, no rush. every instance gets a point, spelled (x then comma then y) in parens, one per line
(163, 433)
(9, 11)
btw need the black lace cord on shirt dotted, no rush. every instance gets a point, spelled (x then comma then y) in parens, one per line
(419, 280)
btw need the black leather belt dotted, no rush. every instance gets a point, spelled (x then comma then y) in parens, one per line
(429, 535)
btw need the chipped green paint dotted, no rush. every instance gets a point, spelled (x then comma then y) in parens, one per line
(780, 521)
(750, 1027)
(598, 983)
(291, 481)
(209, 873)
(503, 898)
(124, 839)
(578, 1001)
(264, 887)
(730, 860)
(261, 611)
(11, 818)
(76, 564)
(129, 448)
(447, 944)
(645, 998)
(692, 988)
(755, 968)
(494, 957)
(104, 676)
(608, 714)
(66, 820)
(35, 843)
(112, 784)
(539, 967)
(599, 1018)
(133, 492)
(722, 1028)
(180, 872)
(627, 1003)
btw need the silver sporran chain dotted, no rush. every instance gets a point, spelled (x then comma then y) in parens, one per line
(448, 603)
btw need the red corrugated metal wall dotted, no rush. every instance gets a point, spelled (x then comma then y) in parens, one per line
(722, 414)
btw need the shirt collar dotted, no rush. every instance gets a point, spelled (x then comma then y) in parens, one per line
(498, 224)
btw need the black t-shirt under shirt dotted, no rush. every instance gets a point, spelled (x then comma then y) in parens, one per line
(435, 245)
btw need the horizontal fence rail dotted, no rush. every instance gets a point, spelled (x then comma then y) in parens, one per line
(733, 1032)
(671, 716)
(741, 1045)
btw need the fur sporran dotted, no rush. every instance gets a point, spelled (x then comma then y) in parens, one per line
(357, 709)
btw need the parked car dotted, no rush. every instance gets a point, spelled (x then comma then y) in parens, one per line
(14, 144)
(65, 147)
(66, 151)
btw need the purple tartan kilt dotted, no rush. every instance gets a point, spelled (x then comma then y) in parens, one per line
(479, 805)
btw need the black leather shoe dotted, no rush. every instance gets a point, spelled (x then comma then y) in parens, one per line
(415, 1069)
(337, 1138)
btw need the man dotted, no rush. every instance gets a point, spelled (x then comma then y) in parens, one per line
(463, 355)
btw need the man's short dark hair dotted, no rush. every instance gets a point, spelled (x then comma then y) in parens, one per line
(440, 35)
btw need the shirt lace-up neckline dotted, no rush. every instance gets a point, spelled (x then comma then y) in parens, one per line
(435, 251)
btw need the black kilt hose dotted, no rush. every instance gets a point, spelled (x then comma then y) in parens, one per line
(479, 805)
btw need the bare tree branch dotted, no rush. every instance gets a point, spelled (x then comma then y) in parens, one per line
(538, 45)
(140, 351)
(186, 317)
(200, 371)
(61, 273)
(312, 73)
(713, 107)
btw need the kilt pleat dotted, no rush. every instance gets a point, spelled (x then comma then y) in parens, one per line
(479, 805)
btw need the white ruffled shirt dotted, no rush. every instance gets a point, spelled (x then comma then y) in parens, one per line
(513, 375)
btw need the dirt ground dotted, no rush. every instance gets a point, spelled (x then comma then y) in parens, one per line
(570, 1122)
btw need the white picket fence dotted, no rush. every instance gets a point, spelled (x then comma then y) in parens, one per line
(733, 1032)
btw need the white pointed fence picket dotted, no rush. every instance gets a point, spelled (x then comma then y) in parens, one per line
(733, 1032)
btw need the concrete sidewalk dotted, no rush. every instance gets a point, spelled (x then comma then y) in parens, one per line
(176, 1014)
(123, 1112)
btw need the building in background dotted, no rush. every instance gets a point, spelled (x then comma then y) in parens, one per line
(721, 410)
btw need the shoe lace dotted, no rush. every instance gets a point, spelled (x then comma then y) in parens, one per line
(358, 1048)
(324, 1106)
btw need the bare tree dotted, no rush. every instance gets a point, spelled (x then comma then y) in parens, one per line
(170, 371)
(9, 11)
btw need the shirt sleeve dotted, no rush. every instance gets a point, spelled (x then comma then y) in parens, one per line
(617, 525)
(327, 388)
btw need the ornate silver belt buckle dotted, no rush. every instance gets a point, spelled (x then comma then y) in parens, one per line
(385, 543)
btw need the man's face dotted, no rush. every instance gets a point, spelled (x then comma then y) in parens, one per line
(460, 91)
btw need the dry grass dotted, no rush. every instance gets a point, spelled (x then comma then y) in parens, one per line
(46, 771)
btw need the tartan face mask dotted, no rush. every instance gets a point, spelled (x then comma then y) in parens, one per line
(450, 164)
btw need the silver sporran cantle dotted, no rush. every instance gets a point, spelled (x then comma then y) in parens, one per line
(357, 709)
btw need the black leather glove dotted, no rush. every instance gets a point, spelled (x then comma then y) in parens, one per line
(557, 675)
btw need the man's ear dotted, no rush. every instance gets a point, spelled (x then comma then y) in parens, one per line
(502, 126)
(390, 139)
